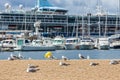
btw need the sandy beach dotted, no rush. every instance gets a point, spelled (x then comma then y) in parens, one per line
(51, 70)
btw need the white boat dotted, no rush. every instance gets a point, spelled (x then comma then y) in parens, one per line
(86, 44)
(37, 45)
(72, 43)
(115, 45)
(21, 42)
(8, 43)
(59, 43)
(115, 41)
(103, 43)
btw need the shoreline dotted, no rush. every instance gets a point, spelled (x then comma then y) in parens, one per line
(51, 70)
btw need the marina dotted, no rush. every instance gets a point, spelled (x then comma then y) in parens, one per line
(39, 27)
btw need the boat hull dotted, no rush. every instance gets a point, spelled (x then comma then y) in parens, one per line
(104, 47)
(86, 47)
(59, 47)
(72, 47)
(37, 48)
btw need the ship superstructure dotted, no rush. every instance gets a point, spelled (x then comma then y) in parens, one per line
(56, 21)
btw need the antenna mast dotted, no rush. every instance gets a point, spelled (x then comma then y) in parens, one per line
(38, 3)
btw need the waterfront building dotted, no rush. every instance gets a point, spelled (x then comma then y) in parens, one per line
(56, 21)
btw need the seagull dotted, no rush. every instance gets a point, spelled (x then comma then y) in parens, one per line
(31, 68)
(88, 57)
(113, 62)
(13, 56)
(64, 58)
(93, 64)
(20, 56)
(81, 57)
(62, 63)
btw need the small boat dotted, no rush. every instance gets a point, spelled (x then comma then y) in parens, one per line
(59, 43)
(21, 42)
(8, 43)
(72, 43)
(103, 43)
(37, 45)
(115, 41)
(115, 45)
(86, 44)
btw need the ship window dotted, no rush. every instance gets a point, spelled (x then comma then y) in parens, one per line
(26, 41)
(10, 42)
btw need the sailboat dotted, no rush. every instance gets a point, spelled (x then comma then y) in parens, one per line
(86, 42)
(73, 43)
(115, 39)
(102, 42)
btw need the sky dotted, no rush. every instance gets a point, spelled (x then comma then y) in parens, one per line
(75, 7)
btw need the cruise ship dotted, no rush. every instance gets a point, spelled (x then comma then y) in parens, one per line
(56, 21)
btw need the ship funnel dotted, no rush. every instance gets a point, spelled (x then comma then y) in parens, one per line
(43, 3)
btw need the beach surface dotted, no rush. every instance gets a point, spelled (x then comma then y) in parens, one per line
(51, 70)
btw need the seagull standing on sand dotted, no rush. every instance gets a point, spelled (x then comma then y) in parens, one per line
(62, 63)
(80, 56)
(31, 68)
(113, 62)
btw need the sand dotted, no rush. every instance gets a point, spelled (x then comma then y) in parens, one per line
(51, 70)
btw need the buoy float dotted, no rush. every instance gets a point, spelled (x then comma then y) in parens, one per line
(48, 54)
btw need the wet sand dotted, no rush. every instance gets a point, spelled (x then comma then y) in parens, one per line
(51, 70)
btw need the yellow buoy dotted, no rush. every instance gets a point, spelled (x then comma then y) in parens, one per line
(48, 54)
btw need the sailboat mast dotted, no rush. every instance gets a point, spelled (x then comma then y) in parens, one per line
(89, 24)
(116, 22)
(99, 26)
(38, 3)
(105, 24)
(82, 26)
(77, 27)
(117, 17)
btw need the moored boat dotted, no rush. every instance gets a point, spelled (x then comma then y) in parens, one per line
(86, 44)
(59, 43)
(103, 43)
(37, 45)
(72, 43)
